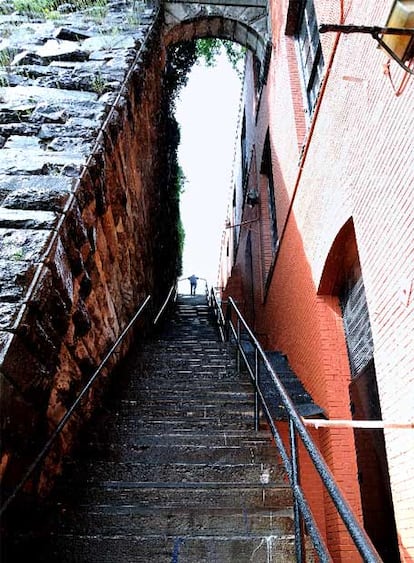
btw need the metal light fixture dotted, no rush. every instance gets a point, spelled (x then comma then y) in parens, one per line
(396, 37)
(401, 16)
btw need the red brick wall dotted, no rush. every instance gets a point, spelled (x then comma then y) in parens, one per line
(358, 165)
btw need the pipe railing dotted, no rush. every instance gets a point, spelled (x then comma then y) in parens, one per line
(232, 325)
(64, 420)
(218, 313)
(172, 296)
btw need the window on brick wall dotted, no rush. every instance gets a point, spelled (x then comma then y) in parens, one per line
(243, 142)
(267, 174)
(309, 52)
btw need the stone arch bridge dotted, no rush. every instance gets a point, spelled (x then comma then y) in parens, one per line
(244, 21)
(88, 213)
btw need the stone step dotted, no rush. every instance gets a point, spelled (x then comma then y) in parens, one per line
(155, 410)
(191, 354)
(198, 473)
(164, 347)
(158, 410)
(199, 397)
(188, 396)
(240, 548)
(145, 453)
(185, 381)
(127, 520)
(174, 495)
(215, 415)
(124, 427)
(192, 362)
(190, 438)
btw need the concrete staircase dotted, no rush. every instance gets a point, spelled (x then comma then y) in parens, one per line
(172, 470)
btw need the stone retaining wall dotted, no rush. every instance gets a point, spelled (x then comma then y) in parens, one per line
(82, 198)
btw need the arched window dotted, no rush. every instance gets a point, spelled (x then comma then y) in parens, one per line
(343, 277)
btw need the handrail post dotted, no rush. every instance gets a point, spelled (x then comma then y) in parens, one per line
(172, 291)
(227, 322)
(256, 393)
(238, 344)
(299, 548)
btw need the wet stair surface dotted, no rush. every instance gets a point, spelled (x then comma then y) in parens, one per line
(172, 469)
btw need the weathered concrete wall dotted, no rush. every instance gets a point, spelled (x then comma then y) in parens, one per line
(83, 195)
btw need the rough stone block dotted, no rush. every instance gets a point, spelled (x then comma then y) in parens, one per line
(80, 127)
(108, 42)
(26, 129)
(71, 34)
(52, 303)
(17, 97)
(75, 226)
(24, 368)
(8, 314)
(70, 144)
(62, 50)
(15, 279)
(23, 244)
(81, 319)
(22, 142)
(43, 193)
(38, 162)
(19, 112)
(21, 219)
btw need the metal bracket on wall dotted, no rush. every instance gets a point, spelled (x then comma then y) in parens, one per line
(375, 32)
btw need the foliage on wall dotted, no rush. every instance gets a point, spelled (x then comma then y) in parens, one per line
(207, 51)
(180, 59)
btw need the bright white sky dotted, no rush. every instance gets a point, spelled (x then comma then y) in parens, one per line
(207, 111)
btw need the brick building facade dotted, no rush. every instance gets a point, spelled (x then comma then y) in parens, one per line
(318, 249)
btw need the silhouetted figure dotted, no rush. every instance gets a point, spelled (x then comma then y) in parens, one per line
(193, 284)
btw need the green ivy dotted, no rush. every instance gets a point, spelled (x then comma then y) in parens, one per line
(180, 60)
(207, 50)
(180, 183)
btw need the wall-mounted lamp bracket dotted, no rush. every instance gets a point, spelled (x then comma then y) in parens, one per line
(375, 32)
(230, 226)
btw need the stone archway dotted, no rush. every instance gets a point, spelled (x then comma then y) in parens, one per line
(245, 23)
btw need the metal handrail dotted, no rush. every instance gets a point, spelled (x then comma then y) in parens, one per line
(172, 295)
(218, 313)
(206, 291)
(70, 411)
(302, 511)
